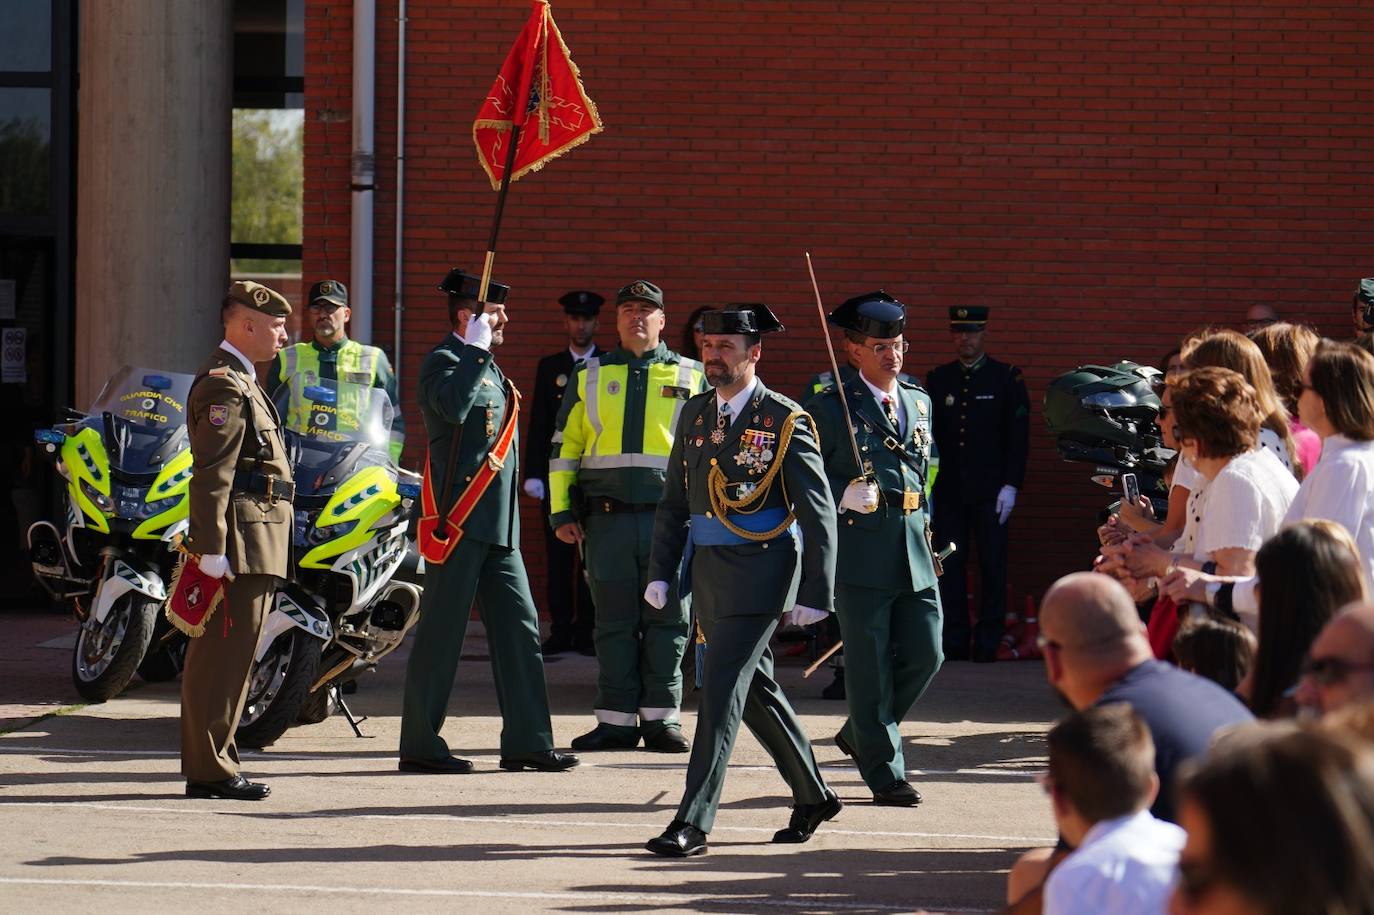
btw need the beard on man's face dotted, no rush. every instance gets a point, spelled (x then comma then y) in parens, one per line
(718, 374)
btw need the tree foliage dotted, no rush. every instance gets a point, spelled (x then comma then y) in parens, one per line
(268, 170)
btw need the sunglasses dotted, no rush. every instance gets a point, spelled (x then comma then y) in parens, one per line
(1195, 880)
(1331, 671)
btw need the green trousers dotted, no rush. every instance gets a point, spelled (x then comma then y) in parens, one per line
(638, 649)
(738, 685)
(496, 577)
(892, 651)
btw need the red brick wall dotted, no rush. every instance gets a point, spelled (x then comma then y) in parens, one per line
(1105, 176)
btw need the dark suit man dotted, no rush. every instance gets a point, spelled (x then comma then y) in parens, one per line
(571, 611)
(240, 527)
(886, 595)
(744, 474)
(982, 428)
(469, 534)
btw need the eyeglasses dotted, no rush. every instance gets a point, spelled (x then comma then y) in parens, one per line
(323, 305)
(882, 349)
(1331, 671)
(1195, 880)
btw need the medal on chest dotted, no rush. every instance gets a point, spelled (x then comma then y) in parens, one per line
(755, 450)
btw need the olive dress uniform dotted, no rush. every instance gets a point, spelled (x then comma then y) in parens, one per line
(463, 393)
(982, 428)
(771, 481)
(568, 598)
(240, 507)
(886, 595)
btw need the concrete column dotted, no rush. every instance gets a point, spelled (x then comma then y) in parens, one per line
(152, 239)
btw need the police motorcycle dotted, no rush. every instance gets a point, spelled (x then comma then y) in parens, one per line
(342, 610)
(127, 467)
(1105, 416)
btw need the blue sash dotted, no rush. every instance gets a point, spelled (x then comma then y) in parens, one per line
(704, 531)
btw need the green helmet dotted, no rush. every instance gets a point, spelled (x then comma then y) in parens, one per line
(1106, 414)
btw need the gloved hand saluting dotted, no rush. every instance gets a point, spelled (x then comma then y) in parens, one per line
(656, 595)
(860, 496)
(480, 327)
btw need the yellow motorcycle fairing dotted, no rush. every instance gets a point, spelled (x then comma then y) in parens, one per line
(86, 461)
(356, 506)
(174, 480)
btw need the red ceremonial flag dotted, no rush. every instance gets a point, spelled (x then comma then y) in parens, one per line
(538, 82)
(195, 597)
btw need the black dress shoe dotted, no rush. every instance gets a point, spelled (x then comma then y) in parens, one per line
(846, 747)
(237, 788)
(668, 740)
(557, 644)
(898, 794)
(449, 766)
(679, 840)
(806, 817)
(600, 738)
(543, 761)
(836, 688)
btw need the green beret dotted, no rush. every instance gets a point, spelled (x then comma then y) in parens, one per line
(260, 298)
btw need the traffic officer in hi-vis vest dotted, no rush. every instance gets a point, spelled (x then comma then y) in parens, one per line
(886, 594)
(240, 527)
(611, 448)
(469, 534)
(746, 473)
(982, 428)
(571, 610)
(331, 356)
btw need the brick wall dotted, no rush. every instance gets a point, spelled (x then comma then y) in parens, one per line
(1105, 176)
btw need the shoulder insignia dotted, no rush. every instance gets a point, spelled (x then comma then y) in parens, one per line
(220, 371)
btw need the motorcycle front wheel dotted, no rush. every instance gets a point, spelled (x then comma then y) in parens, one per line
(277, 688)
(106, 656)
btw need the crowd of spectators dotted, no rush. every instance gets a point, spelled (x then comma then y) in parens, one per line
(1220, 659)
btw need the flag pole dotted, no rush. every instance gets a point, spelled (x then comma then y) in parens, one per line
(496, 220)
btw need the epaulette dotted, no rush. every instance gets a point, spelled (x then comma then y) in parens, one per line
(791, 405)
(911, 384)
(221, 370)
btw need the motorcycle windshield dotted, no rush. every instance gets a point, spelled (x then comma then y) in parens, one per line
(333, 430)
(147, 410)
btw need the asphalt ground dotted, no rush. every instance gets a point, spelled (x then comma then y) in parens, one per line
(93, 814)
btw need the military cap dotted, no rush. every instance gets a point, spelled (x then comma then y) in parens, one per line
(259, 298)
(329, 291)
(582, 303)
(873, 314)
(466, 286)
(1365, 291)
(640, 290)
(741, 318)
(968, 318)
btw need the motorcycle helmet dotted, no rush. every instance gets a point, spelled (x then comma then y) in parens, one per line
(1106, 415)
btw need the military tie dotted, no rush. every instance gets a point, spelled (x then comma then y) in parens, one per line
(890, 409)
(722, 423)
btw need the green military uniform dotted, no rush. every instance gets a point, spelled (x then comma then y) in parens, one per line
(240, 495)
(612, 441)
(463, 393)
(887, 597)
(743, 571)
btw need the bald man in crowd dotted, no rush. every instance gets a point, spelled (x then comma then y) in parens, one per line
(1340, 665)
(1096, 653)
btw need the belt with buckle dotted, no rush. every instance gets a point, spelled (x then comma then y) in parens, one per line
(604, 505)
(264, 484)
(907, 500)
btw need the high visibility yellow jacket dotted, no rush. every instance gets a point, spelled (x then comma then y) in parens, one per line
(615, 429)
(346, 361)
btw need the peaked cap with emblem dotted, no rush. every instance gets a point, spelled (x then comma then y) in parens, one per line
(741, 318)
(641, 291)
(968, 318)
(582, 303)
(260, 298)
(331, 291)
(873, 314)
(1365, 291)
(466, 286)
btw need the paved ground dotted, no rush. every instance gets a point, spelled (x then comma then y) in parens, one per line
(94, 815)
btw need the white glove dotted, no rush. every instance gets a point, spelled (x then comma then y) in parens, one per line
(656, 595)
(861, 497)
(534, 488)
(215, 565)
(479, 330)
(805, 616)
(1006, 501)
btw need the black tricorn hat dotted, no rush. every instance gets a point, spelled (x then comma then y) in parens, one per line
(968, 318)
(873, 314)
(466, 286)
(741, 318)
(581, 302)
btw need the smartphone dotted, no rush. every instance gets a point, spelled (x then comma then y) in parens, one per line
(1130, 488)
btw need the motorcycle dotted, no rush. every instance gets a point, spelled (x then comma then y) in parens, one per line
(127, 467)
(342, 611)
(1105, 416)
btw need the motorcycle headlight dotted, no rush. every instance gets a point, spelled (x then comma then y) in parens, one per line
(326, 532)
(159, 506)
(101, 500)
